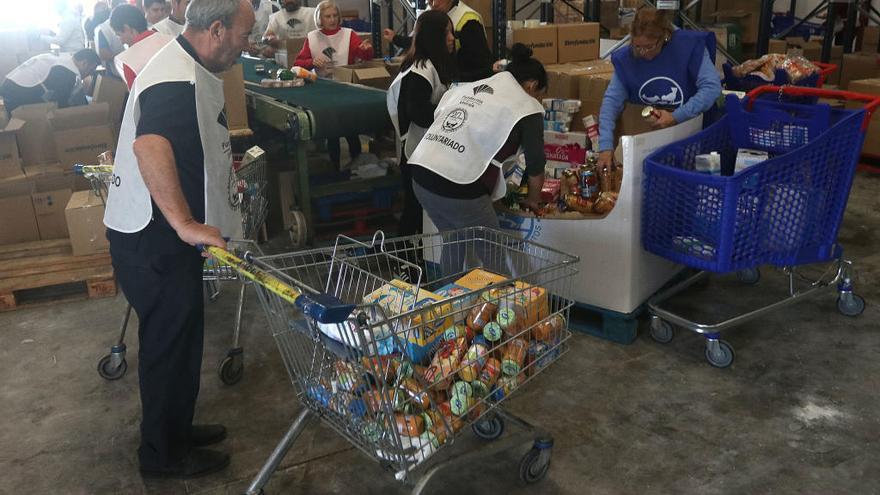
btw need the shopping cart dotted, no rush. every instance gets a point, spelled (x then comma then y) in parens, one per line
(781, 78)
(784, 212)
(247, 192)
(395, 367)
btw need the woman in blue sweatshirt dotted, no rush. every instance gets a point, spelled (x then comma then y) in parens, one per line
(669, 69)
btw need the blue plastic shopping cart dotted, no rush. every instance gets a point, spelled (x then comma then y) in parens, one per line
(784, 212)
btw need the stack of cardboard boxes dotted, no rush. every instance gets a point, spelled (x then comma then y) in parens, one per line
(560, 43)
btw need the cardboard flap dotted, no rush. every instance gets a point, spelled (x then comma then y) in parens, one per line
(14, 188)
(371, 73)
(13, 126)
(96, 114)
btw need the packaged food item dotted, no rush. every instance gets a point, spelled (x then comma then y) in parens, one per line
(539, 357)
(474, 359)
(509, 318)
(460, 404)
(745, 158)
(461, 388)
(415, 392)
(302, 73)
(488, 376)
(410, 425)
(574, 202)
(563, 105)
(347, 377)
(481, 315)
(557, 115)
(550, 190)
(514, 357)
(591, 124)
(445, 362)
(605, 203)
(376, 399)
(588, 182)
(708, 163)
(492, 332)
(453, 420)
(506, 386)
(458, 330)
(650, 113)
(556, 126)
(478, 279)
(570, 183)
(618, 176)
(549, 329)
(606, 180)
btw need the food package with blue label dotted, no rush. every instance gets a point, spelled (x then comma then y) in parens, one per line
(418, 332)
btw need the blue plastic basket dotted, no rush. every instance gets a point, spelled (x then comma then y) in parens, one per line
(784, 211)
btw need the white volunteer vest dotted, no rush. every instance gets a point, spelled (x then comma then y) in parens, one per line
(129, 208)
(471, 124)
(414, 132)
(333, 47)
(114, 41)
(168, 27)
(35, 70)
(136, 56)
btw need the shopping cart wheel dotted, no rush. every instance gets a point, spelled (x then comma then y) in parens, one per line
(749, 276)
(661, 330)
(850, 304)
(489, 428)
(299, 229)
(231, 367)
(112, 367)
(536, 462)
(719, 353)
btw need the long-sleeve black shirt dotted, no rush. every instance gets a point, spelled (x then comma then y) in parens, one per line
(474, 57)
(414, 102)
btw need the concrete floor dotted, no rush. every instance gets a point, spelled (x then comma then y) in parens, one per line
(796, 413)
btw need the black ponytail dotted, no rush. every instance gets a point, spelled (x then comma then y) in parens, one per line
(525, 68)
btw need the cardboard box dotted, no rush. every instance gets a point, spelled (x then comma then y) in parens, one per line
(743, 12)
(870, 39)
(563, 80)
(563, 149)
(114, 93)
(372, 73)
(10, 161)
(35, 138)
(811, 50)
(233, 92)
(84, 215)
(777, 46)
(17, 212)
(577, 42)
(591, 91)
(872, 135)
(81, 133)
(857, 66)
(618, 33)
(542, 40)
(50, 197)
(609, 13)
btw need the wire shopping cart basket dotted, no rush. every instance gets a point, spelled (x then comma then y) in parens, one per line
(247, 188)
(784, 211)
(401, 368)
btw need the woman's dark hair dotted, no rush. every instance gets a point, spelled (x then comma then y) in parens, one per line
(128, 15)
(429, 43)
(525, 68)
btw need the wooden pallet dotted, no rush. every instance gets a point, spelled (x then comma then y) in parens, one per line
(43, 272)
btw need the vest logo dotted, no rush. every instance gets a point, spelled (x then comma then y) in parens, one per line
(484, 88)
(454, 120)
(221, 119)
(328, 52)
(292, 22)
(661, 91)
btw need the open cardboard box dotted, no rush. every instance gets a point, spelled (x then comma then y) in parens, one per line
(10, 161)
(373, 73)
(17, 211)
(50, 197)
(35, 137)
(81, 133)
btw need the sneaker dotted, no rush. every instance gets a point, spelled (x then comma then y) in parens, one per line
(199, 462)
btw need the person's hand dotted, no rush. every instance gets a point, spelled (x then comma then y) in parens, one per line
(193, 233)
(664, 120)
(388, 35)
(269, 52)
(272, 41)
(253, 50)
(605, 159)
(366, 45)
(320, 62)
(532, 205)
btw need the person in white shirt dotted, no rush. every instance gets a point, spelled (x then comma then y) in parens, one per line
(70, 36)
(173, 24)
(154, 10)
(49, 78)
(294, 21)
(107, 44)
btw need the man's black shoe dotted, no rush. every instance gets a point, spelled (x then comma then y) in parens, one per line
(204, 435)
(199, 462)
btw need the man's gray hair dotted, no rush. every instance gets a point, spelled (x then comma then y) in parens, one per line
(200, 14)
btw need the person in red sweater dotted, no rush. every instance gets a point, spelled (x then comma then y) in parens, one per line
(325, 48)
(331, 45)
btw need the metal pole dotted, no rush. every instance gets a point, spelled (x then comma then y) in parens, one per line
(829, 33)
(849, 27)
(375, 25)
(764, 27)
(547, 11)
(499, 20)
(792, 8)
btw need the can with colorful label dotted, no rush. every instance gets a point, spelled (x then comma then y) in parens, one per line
(474, 359)
(488, 376)
(515, 353)
(588, 182)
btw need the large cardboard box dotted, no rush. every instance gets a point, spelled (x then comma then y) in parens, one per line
(114, 93)
(35, 138)
(777, 46)
(870, 39)
(742, 12)
(563, 80)
(577, 42)
(81, 133)
(372, 73)
(233, 92)
(810, 50)
(50, 197)
(872, 135)
(84, 215)
(17, 212)
(10, 161)
(591, 91)
(857, 66)
(542, 40)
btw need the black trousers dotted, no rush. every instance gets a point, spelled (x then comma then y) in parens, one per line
(333, 149)
(15, 96)
(161, 276)
(411, 216)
